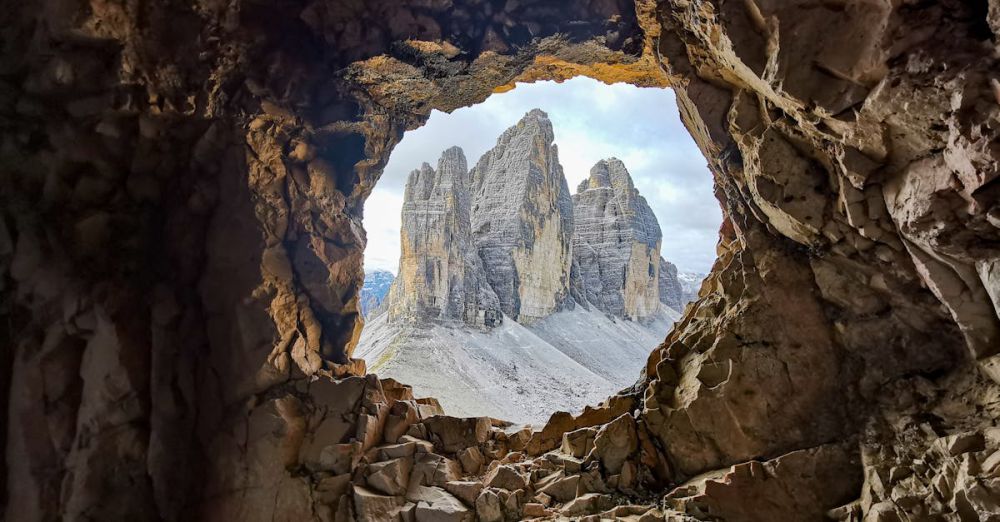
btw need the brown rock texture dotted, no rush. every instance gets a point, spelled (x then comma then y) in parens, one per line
(181, 245)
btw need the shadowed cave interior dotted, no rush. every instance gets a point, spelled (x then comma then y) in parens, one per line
(181, 249)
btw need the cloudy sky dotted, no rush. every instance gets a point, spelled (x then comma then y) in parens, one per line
(591, 121)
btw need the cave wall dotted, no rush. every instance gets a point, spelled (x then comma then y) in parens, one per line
(181, 241)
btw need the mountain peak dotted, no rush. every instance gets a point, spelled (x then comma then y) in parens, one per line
(454, 153)
(608, 173)
(536, 113)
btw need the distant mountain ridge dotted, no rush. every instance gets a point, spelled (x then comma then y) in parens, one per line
(375, 289)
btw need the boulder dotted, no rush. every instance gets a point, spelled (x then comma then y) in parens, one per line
(614, 443)
(489, 507)
(434, 504)
(466, 491)
(390, 477)
(587, 504)
(369, 505)
(505, 477)
(454, 434)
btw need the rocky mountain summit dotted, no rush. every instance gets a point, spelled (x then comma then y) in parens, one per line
(529, 298)
(506, 238)
(522, 219)
(440, 275)
(616, 244)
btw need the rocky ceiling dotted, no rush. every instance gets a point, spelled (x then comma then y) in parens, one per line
(181, 245)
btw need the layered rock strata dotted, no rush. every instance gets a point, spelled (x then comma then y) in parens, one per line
(671, 290)
(616, 243)
(441, 276)
(522, 220)
(181, 248)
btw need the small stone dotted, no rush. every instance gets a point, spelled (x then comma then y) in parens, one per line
(505, 477)
(532, 509)
(564, 489)
(455, 434)
(466, 491)
(390, 477)
(471, 459)
(489, 507)
(586, 504)
(369, 505)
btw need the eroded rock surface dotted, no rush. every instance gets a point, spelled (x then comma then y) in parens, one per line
(180, 249)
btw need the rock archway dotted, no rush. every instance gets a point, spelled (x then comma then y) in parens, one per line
(181, 244)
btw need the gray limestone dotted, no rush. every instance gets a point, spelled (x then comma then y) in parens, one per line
(440, 274)
(522, 220)
(671, 289)
(616, 244)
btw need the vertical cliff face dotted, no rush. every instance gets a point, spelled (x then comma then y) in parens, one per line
(616, 243)
(522, 220)
(670, 288)
(440, 273)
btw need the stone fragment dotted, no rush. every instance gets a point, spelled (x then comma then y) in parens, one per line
(466, 491)
(437, 505)
(532, 509)
(369, 505)
(614, 443)
(563, 489)
(587, 504)
(430, 469)
(455, 434)
(402, 414)
(505, 477)
(489, 507)
(513, 504)
(578, 443)
(408, 513)
(419, 445)
(390, 477)
(471, 459)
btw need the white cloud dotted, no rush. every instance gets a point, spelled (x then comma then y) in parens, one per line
(591, 121)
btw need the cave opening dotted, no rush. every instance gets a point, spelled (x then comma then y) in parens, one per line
(526, 254)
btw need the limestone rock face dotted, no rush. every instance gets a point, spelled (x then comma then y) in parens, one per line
(522, 220)
(616, 243)
(671, 290)
(440, 274)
